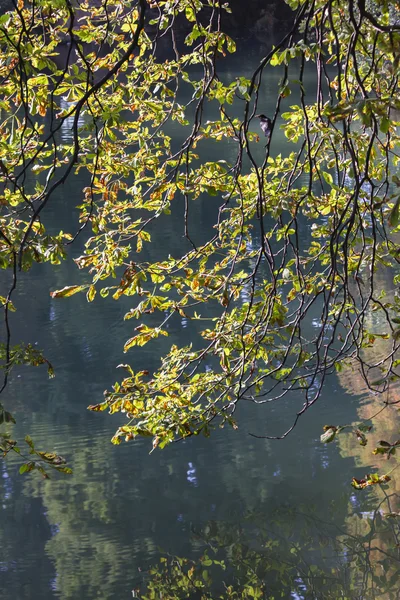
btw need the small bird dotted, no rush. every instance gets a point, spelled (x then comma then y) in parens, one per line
(265, 124)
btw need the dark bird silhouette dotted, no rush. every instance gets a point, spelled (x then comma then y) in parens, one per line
(265, 124)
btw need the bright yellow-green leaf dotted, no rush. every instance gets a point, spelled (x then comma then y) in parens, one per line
(69, 290)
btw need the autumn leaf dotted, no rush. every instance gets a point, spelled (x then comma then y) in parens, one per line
(69, 290)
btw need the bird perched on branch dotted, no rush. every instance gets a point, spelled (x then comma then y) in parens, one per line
(265, 124)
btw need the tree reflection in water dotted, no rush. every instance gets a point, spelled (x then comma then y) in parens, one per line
(379, 530)
(295, 556)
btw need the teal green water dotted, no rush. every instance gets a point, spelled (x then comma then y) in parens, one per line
(94, 534)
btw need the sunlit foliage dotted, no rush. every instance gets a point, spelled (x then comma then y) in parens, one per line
(250, 288)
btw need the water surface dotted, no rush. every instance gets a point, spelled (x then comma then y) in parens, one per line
(94, 534)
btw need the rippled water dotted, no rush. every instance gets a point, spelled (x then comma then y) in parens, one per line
(94, 534)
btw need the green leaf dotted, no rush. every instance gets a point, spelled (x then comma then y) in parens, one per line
(384, 125)
(394, 214)
(29, 441)
(207, 562)
(285, 91)
(366, 119)
(3, 302)
(328, 177)
(230, 44)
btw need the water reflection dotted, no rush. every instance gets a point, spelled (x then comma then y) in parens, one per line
(378, 525)
(66, 131)
(291, 555)
(87, 536)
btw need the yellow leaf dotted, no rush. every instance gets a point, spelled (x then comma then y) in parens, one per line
(69, 290)
(91, 293)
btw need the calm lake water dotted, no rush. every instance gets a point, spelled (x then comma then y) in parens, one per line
(96, 533)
